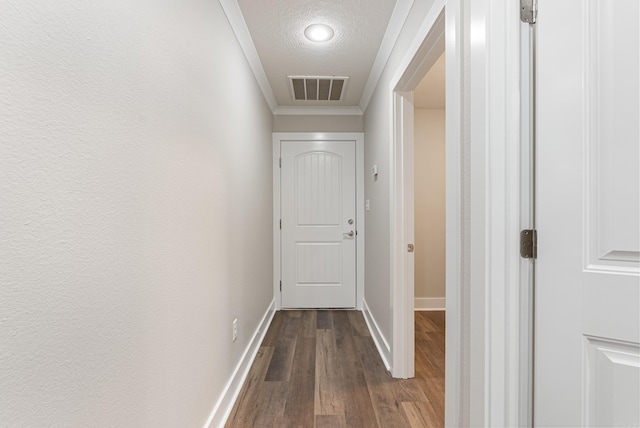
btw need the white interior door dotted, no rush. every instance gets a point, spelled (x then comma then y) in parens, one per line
(318, 211)
(587, 355)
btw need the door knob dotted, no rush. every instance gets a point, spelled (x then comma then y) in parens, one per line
(349, 234)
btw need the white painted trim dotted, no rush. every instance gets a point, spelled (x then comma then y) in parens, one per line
(477, 298)
(227, 399)
(360, 216)
(376, 334)
(430, 303)
(358, 137)
(427, 47)
(496, 380)
(322, 111)
(417, 42)
(424, 49)
(526, 217)
(277, 252)
(502, 197)
(396, 22)
(456, 405)
(239, 27)
(403, 334)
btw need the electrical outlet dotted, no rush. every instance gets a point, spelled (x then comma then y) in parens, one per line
(235, 329)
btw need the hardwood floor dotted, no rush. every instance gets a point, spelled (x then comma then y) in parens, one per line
(321, 369)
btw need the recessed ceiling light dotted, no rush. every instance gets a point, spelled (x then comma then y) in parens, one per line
(319, 33)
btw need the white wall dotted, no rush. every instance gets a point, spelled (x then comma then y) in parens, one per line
(429, 158)
(378, 140)
(136, 211)
(315, 123)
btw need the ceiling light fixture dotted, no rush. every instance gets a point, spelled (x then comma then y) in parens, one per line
(319, 33)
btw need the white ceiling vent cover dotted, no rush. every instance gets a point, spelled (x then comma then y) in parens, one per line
(318, 88)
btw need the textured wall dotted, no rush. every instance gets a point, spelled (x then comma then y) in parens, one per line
(378, 137)
(312, 123)
(378, 134)
(429, 158)
(135, 211)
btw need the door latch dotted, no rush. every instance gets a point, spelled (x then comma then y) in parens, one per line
(410, 248)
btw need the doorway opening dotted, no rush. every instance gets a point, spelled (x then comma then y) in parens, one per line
(429, 47)
(429, 144)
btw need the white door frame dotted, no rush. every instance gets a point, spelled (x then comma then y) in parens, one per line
(402, 214)
(486, 283)
(358, 137)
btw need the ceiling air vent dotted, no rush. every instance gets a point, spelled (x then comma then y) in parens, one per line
(318, 88)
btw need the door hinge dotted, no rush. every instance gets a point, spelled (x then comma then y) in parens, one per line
(529, 11)
(280, 285)
(529, 244)
(280, 224)
(279, 162)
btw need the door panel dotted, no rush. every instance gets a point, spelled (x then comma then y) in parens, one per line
(587, 360)
(318, 201)
(612, 371)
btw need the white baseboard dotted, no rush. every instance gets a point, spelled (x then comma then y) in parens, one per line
(430, 303)
(378, 338)
(230, 393)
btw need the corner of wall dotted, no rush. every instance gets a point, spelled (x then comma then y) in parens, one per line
(229, 395)
(378, 337)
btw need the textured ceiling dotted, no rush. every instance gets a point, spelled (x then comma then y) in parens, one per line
(277, 29)
(430, 92)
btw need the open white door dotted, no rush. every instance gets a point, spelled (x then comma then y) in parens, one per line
(587, 354)
(318, 193)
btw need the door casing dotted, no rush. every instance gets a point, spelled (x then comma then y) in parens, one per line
(487, 373)
(358, 137)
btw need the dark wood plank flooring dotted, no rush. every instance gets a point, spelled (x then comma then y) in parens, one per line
(321, 369)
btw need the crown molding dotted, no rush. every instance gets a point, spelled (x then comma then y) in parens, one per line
(239, 27)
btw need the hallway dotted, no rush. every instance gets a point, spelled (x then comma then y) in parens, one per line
(321, 369)
(142, 221)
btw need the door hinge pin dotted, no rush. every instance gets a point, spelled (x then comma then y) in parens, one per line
(280, 224)
(280, 285)
(280, 162)
(529, 244)
(529, 11)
